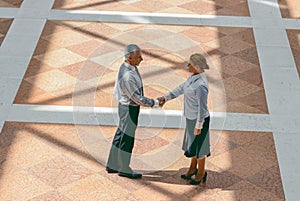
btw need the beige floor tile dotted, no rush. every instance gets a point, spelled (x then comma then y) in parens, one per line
(125, 27)
(240, 9)
(228, 45)
(150, 92)
(125, 8)
(289, 8)
(105, 83)
(205, 7)
(143, 146)
(263, 148)
(214, 54)
(236, 88)
(256, 100)
(179, 2)
(242, 137)
(20, 154)
(176, 10)
(26, 92)
(59, 171)
(11, 3)
(52, 80)
(112, 60)
(202, 34)
(247, 191)
(86, 49)
(6, 4)
(5, 24)
(151, 6)
(67, 38)
(249, 55)
(19, 185)
(98, 31)
(237, 107)
(174, 42)
(233, 65)
(35, 67)
(52, 195)
(103, 99)
(53, 27)
(247, 36)
(48, 99)
(67, 58)
(162, 191)
(294, 39)
(93, 187)
(44, 46)
(121, 39)
(174, 29)
(72, 24)
(228, 30)
(269, 180)
(171, 135)
(221, 145)
(241, 162)
(85, 70)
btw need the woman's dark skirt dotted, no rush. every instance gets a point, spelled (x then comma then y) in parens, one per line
(196, 145)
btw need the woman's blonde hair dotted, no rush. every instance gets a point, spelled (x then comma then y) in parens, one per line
(198, 60)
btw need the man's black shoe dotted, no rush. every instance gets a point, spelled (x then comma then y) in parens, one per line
(132, 175)
(111, 170)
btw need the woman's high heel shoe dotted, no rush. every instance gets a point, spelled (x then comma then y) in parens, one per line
(188, 177)
(202, 181)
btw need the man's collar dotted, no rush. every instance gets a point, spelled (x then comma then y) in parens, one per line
(128, 65)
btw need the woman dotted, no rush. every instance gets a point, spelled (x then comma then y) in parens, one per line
(196, 139)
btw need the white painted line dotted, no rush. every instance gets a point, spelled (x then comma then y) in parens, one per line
(270, 56)
(247, 122)
(288, 76)
(149, 18)
(13, 67)
(17, 49)
(264, 9)
(18, 45)
(283, 96)
(32, 9)
(292, 23)
(4, 113)
(8, 89)
(8, 12)
(148, 117)
(271, 37)
(26, 27)
(288, 152)
(1, 126)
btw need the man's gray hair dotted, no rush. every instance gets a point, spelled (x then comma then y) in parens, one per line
(130, 49)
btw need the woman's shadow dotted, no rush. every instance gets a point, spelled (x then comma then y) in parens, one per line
(215, 179)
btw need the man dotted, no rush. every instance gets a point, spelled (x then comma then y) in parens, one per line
(129, 93)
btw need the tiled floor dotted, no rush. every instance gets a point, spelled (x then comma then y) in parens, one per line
(289, 8)
(89, 63)
(253, 81)
(55, 158)
(209, 7)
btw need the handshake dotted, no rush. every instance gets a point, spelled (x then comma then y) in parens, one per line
(161, 101)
